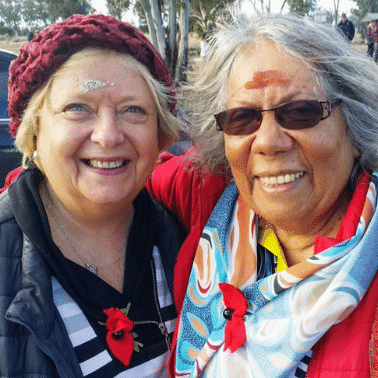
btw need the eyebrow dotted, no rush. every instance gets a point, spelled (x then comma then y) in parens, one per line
(263, 79)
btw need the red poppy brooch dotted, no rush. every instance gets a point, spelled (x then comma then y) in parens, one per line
(236, 309)
(119, 337)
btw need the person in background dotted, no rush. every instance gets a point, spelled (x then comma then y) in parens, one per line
(30, 35)
(375, 52)
(346, 27)
(370, 33)
(86, 258)
(284, 280)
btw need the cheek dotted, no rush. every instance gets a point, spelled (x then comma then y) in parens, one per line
(146, 141)
(333, 151)
(58, 143)
(331, 161)
(238, 150)
(238, 153)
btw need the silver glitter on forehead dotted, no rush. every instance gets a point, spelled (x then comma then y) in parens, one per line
(94, 84)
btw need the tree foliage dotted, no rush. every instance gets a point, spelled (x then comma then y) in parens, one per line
(168, 27)
(263, 6)
(117, 7)
(204, 13)
(366, 6)
(302, 7)
(36, 13)
(66, 8)
(168, 23)
(39, 13)
(363, 8)
(10, 13)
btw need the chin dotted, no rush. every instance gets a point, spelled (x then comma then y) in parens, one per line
(108, 198)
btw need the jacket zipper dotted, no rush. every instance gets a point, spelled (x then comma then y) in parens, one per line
(162, 327)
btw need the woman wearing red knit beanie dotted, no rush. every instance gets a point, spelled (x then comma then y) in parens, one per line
(86, 255)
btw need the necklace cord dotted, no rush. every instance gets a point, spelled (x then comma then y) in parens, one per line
(89, 266)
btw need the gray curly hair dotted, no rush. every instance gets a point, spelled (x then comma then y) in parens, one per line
(341, 72)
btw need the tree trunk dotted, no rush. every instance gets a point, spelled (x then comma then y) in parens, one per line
(283, 4)
(157, 21)
(150, 22)
(182, 59)
(172, 39)
(336, 4)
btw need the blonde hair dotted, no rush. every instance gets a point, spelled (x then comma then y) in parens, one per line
(168, 124)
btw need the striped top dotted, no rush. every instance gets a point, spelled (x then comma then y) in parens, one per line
(94, 358)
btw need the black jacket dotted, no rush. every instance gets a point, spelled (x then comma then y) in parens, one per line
(33, 338)
(347, 29)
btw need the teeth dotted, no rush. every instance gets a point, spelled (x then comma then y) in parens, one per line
(282, 179)
(105, 164)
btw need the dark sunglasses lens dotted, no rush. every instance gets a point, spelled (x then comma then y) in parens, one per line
(239, 121)
(299, 115)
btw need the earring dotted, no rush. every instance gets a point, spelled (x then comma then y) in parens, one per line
(35, 154)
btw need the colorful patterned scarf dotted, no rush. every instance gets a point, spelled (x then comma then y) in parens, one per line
(288, 311)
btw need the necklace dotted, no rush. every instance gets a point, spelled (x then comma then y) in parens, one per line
(89, 266)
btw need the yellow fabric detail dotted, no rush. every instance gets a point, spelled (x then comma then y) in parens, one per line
(270, 242)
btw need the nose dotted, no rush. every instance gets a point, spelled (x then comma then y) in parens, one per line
(271, 138)
(107, 132)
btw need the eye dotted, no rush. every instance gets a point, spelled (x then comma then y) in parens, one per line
(135, 110)
(303, 110)
(134, 114)
(242, 116)
(74, 108)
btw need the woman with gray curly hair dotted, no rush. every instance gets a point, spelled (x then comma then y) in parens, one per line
(283, 276)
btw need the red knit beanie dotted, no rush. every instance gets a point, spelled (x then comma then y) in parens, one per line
(51, 47)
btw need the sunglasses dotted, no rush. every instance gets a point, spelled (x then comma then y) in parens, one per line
(294, 115)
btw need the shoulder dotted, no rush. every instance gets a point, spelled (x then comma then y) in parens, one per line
(6, 211)
(10, 232)
(11, 176)
(187, 190)
(186, 173)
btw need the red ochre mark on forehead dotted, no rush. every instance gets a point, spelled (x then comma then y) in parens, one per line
(267, 78)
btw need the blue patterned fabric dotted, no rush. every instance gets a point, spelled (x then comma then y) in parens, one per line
(287, 312)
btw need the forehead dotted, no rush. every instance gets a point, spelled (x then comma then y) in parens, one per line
(264, 66)
(88, 77)
(85, 67)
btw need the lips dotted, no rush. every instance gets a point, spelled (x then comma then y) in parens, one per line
(281, 179)
(108, 165)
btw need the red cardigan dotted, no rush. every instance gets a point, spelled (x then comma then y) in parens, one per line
(347, 350)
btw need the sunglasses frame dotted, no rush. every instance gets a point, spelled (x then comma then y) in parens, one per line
(327, 107)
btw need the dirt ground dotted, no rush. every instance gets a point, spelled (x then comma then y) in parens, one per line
(12, 45)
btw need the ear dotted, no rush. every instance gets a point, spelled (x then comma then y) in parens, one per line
(356, 153)
(165, 141)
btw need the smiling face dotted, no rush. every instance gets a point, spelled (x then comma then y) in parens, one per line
(98, 146)
(286, 176)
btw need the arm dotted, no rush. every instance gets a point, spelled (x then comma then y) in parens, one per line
(11, 176)
(191, 195)
(187, 192)
(351, 31)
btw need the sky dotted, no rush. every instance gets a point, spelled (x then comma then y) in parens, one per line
(100, 6)
(344, 7)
